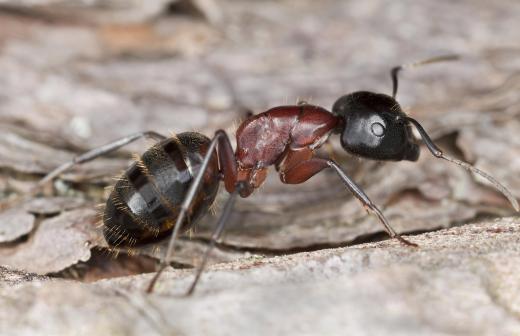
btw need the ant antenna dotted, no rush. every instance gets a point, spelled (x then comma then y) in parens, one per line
(439, 154)
(395, 70)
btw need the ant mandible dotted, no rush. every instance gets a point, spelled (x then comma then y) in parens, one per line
(174, 182)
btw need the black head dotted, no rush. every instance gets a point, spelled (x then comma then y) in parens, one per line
(375, 127)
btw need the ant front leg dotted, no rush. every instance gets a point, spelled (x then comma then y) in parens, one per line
(302, 171)
(228, 167)
(367, 203)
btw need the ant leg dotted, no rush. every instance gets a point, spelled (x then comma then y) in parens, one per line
(367, 203)
(227, 165)
(97, 152)
(395, 70)
(85, 157)
(304, 170)
(214, 237)
(439, 154)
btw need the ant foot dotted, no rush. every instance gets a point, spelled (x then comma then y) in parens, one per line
(405, 242)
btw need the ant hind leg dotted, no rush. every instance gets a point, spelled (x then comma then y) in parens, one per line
(80, 159)
(97, 152)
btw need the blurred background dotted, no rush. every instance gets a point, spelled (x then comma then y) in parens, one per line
(77, 74)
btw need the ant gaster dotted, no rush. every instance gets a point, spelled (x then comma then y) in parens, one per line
(174, 182)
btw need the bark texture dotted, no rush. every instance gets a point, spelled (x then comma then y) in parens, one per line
(76, 75)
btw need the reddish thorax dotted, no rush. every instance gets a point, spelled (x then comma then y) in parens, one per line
(274, 136)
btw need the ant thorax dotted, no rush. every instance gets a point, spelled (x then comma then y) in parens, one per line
(267, 138)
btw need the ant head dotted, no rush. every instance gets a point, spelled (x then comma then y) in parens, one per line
(375, 127)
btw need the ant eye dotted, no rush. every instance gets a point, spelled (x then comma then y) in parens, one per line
(378, 129)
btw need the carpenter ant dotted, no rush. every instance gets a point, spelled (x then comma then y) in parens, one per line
(174, 182)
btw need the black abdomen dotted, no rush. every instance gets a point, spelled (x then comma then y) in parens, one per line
(146, 200)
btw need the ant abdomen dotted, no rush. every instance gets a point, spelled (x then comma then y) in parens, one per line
(146, 199)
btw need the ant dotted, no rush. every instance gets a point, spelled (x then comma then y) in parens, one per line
(175, 181)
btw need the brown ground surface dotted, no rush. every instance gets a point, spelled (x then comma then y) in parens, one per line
(76, 75)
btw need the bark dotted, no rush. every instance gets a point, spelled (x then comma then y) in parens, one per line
(80, 74)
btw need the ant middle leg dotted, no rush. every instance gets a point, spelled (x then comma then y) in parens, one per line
(217, 232)
(228, 166)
